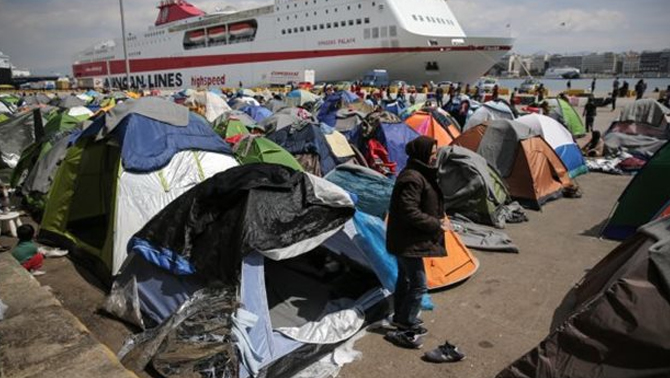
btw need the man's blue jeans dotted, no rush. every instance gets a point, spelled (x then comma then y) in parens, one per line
(410, 288)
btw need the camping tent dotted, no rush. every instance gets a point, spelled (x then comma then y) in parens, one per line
(642, 129)
(286, 117)
(644, 197)
(58, 125)
(265, 232)
(533, 172)
(300, 97)
(258, 113)
(489, 111)
(121, 171)
(309, 146)
(257, 149)
(614, 323)
(209, 104)
(427, 122)
(395, 136)
(471, 187)
(560, 140)
(563, 112)
(16, 134)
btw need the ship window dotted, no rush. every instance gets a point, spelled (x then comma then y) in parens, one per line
(373, 3)
(315, 13)
(432, 42)
(348, 7)
(335, 24)
(375, 32)
(295, 30)
(314, 27)
(367, 20)
(359, 21)
(216, 35)
(321, 26)
(283, 31)
(414, 17)
(393, 31)
(309, 28)
(306, 14)
(289, 31)
(326, 11)
(302, 29)
(384, 32)
(351, 22)
(359, 6)
(366, 33)
(343, 23)
(328, 25)
(278, 19)
(335, 10)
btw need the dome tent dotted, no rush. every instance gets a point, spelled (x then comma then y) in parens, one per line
(121, 171)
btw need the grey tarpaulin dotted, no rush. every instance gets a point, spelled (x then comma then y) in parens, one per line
(633, 144)
(482, 237)
(15, 135)
(151, 107)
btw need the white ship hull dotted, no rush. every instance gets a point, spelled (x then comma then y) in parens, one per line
(386, 38)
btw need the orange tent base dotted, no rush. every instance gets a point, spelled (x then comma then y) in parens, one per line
(458, 265)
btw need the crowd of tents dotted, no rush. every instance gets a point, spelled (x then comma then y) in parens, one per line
(271, 209)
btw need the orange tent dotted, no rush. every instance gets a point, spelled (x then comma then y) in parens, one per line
(425, 123)
(458, 265)
(530, 167)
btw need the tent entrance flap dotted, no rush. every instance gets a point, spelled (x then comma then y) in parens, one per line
(306, 288)
(89, 215)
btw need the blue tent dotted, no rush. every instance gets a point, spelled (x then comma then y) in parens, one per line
(395, 136)
(328, 111)
(395, 107)
(258, 113)
(306, 140)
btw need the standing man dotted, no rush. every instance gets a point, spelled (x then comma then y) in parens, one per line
(593, 86)
(615, 92)
(439, 95)
(639, 89)
(415, 230)
(569, 84)
(590, 114)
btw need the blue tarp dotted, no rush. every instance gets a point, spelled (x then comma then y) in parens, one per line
(395, 137)
(372, 189)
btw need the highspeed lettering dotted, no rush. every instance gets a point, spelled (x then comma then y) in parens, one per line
(206, 81)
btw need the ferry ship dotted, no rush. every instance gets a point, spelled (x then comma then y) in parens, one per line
(415, 41)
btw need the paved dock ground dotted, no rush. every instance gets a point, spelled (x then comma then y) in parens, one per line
(500, 313)
(40, 338)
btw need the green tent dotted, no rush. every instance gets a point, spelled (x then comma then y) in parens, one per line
(644, 197)
(564, 113)
(253, 149)
(56, 126)
(231, 128)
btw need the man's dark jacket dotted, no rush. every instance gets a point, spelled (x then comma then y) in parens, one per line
(414, 226)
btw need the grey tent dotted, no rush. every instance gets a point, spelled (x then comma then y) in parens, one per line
(15, 134)
(615, 322)
(642, 129)
(69, 102)
(489, 111)
(471, 187)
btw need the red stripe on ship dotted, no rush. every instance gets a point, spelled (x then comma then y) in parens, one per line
(117, 67)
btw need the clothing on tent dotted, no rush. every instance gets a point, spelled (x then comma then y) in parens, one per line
(308, 139)
(378, 158)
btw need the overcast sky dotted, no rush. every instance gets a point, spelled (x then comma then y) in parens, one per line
(43, 35)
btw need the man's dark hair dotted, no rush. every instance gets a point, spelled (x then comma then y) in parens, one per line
(25, 232)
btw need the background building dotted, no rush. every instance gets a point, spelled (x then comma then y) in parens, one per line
(599, 63)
